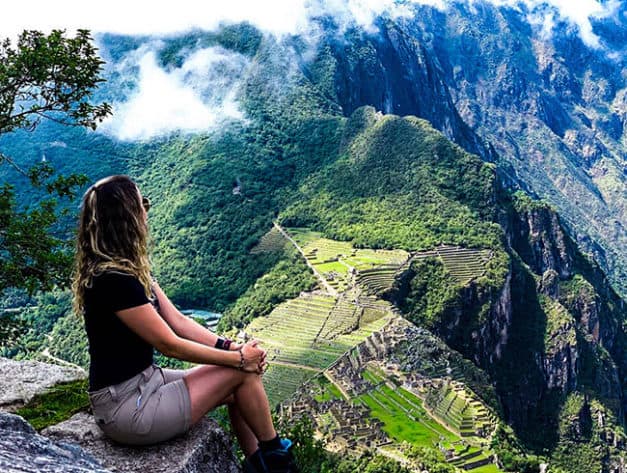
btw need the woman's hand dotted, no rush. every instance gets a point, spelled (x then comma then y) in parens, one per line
(254, 357)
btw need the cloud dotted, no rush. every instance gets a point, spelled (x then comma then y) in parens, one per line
(159, 17)
(202, 92)
(577, 12)
(198, 96)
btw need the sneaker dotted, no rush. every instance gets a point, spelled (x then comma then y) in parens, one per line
(254, 463)
(280, 460)
(274, 461)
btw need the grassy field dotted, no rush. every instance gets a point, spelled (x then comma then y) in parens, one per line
(405, 419)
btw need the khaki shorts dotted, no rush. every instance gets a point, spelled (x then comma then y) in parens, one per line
(148, 408)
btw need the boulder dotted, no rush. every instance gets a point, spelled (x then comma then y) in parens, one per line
(205, 448)
(22, 380)
(22, 449)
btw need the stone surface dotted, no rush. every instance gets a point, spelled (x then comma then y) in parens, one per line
(20, 381)
(23, 450)
(204, 449)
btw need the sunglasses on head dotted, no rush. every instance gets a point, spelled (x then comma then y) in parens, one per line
(146, 203)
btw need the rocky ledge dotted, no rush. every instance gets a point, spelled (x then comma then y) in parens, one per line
(22, 449)
(203, 449)
(20, 381)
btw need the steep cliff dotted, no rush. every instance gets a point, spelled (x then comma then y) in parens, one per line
(516, 85)
(553, 339)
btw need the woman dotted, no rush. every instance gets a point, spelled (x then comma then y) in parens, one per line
(127, 315)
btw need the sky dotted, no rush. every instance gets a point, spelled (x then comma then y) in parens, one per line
(189, 105)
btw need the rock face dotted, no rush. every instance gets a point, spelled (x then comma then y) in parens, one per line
(204, 449)
(22, 380)
(78, 445)
(22, 449)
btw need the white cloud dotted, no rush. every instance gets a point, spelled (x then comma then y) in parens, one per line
(203, 91)
(196, 97)
(577, 12)
(275, 16)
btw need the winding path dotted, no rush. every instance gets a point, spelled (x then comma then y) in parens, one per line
(323, 281)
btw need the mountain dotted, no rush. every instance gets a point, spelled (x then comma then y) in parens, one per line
(547, 106)
(340, 148)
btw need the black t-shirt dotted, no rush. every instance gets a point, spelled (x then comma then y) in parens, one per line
(116, 352)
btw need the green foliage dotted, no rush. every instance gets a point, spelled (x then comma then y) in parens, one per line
(68, 340)
(171, 363)
(56, 405)
(49, 74)
(288, 278)
(430, 459)
(511, 453)
(243, 38)
(43, 77)
(45, 309)
(11, 330)
(433, 294)
(400, 184)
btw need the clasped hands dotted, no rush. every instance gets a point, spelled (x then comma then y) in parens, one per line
(254, 357)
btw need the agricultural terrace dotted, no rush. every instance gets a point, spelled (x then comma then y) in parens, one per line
(461, 410)
(336, 261)
(271, 242)
(342, 266)
(464, 264)
(303, 335)
(405, 419)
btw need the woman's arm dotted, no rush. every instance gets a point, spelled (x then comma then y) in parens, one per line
(146, 322)
(185, 327)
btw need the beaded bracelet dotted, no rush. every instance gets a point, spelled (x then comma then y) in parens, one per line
(241, 359)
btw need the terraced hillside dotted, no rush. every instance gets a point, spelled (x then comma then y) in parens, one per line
(341, 264)
(305, 335)
(317, 333)
(464, 264)
(363, 402)
(461, 410)
(273, 241)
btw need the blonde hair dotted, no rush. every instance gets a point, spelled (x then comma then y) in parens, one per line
(112, 235)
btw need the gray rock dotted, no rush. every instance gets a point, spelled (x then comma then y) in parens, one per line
(204, 449)
(23, 450)
(20, 381)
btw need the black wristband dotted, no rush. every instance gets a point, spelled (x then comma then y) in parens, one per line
(223, 343)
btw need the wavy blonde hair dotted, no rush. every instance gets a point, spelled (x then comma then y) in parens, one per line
(112, 235)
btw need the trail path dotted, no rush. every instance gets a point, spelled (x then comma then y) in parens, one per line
(323, 281)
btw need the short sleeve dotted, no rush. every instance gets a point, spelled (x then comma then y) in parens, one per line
(118, 291)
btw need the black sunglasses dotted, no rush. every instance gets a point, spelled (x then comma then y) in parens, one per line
(146, 203)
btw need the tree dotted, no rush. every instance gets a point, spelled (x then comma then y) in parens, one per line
(51, 77)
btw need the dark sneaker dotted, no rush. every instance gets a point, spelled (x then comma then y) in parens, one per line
(274, 461)
(279, 461)
(255, 464)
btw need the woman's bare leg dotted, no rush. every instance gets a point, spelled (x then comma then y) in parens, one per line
(245, 436)
(209, 386)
